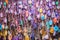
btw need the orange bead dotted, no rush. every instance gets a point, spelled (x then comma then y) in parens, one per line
(55, 20)
(6, 1)
(27, 14)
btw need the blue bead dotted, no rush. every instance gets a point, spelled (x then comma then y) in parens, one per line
(0, 26)
(56, 28)
(50, 22)
(42, 17)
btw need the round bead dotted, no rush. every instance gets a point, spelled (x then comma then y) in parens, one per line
(56, 28)
(41, 10)
(42, 17)
(50, 22)
(4, 3)
(53, 2)
(56, 2)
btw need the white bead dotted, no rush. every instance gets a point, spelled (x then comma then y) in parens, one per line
(37, 4)
(5, 20)
(38, 16)
(53, 3)
(1, 14)
(20, 2)
(29, 1)
(58, 7)
(15, 13)
(25, 7)
(21, 6)
(11, 11)
(50, 4)
(41, 2)
(9, 6)
(47, 0)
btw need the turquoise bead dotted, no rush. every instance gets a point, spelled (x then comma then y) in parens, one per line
(4, 3)
(42, 17)
(0, 27)
(56, 2)
(50, 22)
(56, 28)
(21, 22)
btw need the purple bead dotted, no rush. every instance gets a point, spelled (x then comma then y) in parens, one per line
(15, 38)
(48, 13)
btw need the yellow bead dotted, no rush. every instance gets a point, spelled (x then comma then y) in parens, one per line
(0, 33)
(41, 10)
(51, 30)
(26, 37)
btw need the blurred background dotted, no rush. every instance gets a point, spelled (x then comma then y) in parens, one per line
(29, 19)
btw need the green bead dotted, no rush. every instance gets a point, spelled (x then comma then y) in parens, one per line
(21, 22)
(59, 30)
(4, 3)
(48, 26)
(57, 3)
